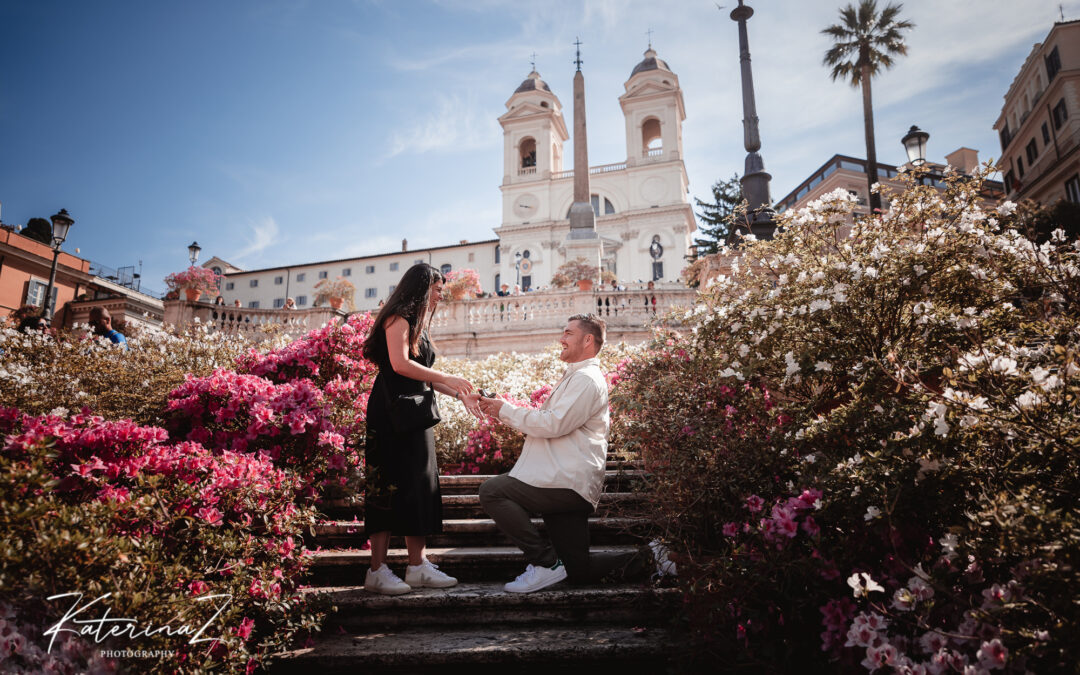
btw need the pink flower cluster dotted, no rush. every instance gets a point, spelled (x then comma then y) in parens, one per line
(782, 523)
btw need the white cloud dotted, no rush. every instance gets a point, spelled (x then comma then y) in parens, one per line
(456, 124)
(263, 235)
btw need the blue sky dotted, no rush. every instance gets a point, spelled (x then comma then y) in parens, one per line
(288, 131)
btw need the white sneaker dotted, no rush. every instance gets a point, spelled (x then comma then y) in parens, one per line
(534, 578)
(385, 582)
(427, 575)
(664, 566)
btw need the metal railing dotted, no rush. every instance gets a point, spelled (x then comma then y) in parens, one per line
(123, 276)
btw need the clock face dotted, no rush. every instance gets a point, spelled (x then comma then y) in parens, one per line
(525, 205)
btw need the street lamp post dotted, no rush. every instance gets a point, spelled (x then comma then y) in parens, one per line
(61, 224)
(915, 145)
(517, 267)
(193, 252)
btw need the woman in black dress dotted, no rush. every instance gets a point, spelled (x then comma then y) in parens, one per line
(402, 476)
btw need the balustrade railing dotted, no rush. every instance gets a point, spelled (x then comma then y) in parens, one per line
(603, 168)
(253, 323)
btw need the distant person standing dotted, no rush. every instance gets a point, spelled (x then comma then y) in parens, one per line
(101, 320)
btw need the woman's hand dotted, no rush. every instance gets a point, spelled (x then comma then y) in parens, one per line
(472, 404)
(460, 385)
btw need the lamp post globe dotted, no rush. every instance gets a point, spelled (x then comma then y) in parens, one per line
(915, 145)
(193, 252)
(61, 225)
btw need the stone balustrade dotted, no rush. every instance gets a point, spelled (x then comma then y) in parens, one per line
(526, 323)
(532, 321)
(255, 324)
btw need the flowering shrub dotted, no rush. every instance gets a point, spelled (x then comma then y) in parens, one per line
(338, 288)
(65, 371)
(175, 533)
(916, 369)
(573, 271)
(202, 279)
(461, 284)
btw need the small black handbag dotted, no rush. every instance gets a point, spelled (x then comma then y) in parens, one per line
(414, 412)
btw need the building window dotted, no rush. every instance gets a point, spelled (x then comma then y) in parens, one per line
(35, 294)
(254, 304)
(526, 254)
(472, 257)
(323, 274)
(1009, 180)
(1060, 114)
(1020, 166)
(1053, 64)
(393, 267)
(347, 272)
(498, 282)
(300, 276)
(497, 256)
(1032, 152)
(1005, 135)
(370, 269)
(253, 283)
(301, 301)
(392, 287)
(527, 151)
(279, 280)
(526, 282)
(1072, 189)
(657, 270)
(279, 303)
(1046, 134)
(418, 261)
(445, 269)
(371, 292)
(229, 285)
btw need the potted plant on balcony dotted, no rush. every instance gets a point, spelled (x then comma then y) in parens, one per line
(335, 292)
(194, 281)
(577, 271)
(461, 284)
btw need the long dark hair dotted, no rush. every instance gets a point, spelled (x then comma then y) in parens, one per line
(410, 300)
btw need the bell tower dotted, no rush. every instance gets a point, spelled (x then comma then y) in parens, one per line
(654, 111)
(533, 133)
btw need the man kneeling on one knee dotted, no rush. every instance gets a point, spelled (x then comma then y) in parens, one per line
(560, 473)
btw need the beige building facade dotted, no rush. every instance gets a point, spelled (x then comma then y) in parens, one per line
(1039, 125)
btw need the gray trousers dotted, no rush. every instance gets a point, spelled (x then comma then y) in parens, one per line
(510, 504)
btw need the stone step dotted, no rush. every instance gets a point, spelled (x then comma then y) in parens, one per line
(587, 649)
(614, 481)
(478, 532)
(487, 602)
(468, 506)
(467, 564)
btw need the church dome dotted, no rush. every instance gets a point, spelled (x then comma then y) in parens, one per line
(650, 62)
(533, 83)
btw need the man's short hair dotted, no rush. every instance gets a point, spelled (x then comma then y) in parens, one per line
(594, 326)
(97, 313)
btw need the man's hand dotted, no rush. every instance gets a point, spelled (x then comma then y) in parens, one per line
(491, 406)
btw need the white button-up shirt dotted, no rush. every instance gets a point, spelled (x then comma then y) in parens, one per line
(566, 439)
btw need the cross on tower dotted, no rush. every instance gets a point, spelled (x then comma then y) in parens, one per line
(577, 43)
(533, 62)
(649, 33)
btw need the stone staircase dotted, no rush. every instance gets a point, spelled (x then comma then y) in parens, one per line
(475, 626)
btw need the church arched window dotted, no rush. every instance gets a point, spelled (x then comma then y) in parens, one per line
(651, 140)
(527, 151)
(598, 202)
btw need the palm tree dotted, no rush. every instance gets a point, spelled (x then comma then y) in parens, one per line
(865, 42)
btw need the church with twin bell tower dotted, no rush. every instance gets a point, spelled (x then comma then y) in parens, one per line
(632, 217)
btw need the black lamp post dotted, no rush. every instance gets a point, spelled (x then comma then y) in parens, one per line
(61, 224)
(915, 144)
(517, 267)
(193, 252)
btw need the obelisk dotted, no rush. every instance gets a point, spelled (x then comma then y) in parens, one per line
(755, 180)
(582, 241)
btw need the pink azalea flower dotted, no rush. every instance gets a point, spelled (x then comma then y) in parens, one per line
(754, 503)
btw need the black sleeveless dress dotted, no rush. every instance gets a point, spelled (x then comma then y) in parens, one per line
(402, 494)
